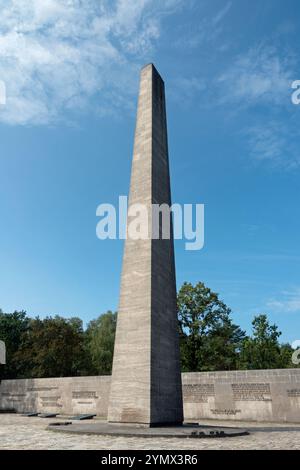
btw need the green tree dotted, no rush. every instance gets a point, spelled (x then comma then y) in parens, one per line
(262, 350)
(54, 347)
(209, 340)
(100, 337)
(12, 328)
(285, 360)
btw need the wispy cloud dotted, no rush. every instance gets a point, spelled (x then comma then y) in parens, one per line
(261, 76)
(207, 31)
(56, 55)
(288, 303)
(275, 142)
(184, 89)
(258, 82)
(223, 12)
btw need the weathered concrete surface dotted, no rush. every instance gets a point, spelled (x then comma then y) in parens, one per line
(146, 380)
(68, 395)
(18, 432)
(2, 352)
(258, 395)
(262, 396)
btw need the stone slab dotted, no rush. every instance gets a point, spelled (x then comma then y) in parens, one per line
(82, 417)
(184, 431)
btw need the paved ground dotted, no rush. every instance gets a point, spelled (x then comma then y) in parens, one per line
(19, 432)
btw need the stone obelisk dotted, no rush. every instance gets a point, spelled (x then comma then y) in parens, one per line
(146, 378)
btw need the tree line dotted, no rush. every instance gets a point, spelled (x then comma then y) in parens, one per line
(209, 340)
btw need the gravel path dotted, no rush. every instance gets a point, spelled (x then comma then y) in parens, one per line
(19, 432)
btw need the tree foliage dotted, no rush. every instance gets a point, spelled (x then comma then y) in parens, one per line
(209, 340)
(100, 342)
(13, 326)
(53, 347)
(263, 350)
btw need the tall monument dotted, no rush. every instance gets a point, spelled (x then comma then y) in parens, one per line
(146, 378)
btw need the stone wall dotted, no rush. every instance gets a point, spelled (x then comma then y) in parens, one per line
(263, 395)
(257, 395)
(67, 395)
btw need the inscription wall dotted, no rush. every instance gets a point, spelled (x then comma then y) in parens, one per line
(267, 395)
(257, 395)
(69, 396)
(198, 393)
(251, 392)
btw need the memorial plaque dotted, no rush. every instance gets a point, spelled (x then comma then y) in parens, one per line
(51, 401)
(14, 397)
(198, 393)
(251, 392)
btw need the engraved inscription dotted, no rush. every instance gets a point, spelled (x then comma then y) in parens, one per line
(85, 394)
(51, 401)
(12, 395)
(251, 392)
(41, 389)
(294, 392)
(198, 393)
(225, 412)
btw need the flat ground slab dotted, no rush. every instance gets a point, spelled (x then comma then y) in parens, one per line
(20, 432)
(184, 431)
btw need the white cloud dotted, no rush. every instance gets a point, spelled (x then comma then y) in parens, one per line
(259, 83)
(262, 75)
(275, 142)
(184, 89)
(223, 12)
(207, 31)
(289, 302)
(57, 54)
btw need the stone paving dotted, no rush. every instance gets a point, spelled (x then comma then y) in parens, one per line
(19, 432)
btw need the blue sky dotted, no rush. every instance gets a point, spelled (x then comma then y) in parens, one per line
(71, 71)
